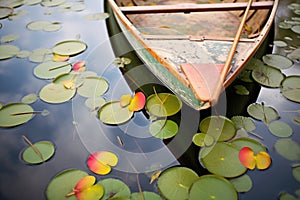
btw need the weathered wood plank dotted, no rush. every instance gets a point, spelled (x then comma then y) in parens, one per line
(186, 8)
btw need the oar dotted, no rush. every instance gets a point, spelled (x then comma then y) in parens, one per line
(219, 86)
(206, 80)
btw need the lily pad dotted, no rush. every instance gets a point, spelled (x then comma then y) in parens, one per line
(296, 28)
(146, 196)
(163, 129)
(261, 112)
(15, 114)
(114, 113)
(40, 55)
(101, 162)
(175, 182)
(52, 3)
(94, 102)
(56, 93)
(223, 160)
(288, 149)
(290, 88)
(8, 51)
(96, 16)
(284, 25)
(212, 187)
(296, 173)
(64, 183)
(242, 183)
(268, 76)
(280, 129)
(278, 61)
(249, 142)
(242, 122)
(163, 104)
(45, 148)
(49, 70)
(29, 99)
(115, 189)
(37, 25)
(280, 43)
(202, 139)
(9, 38)
(69, 47)
(93, 86)
(241, 90)
(5, 11)
(219, 127)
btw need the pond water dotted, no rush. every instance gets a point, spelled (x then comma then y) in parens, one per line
(76, 132)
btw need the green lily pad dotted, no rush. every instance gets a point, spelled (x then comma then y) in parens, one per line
(175, 182)
(29, 99)
(114, 113)
(290, 88)
(8, 51)
(78, 7)
(23, 54)
(163, 129)
(219, 127)
(9, 38)
(56, 93)
(93, 86)
(261, 112)
(32, 2)
(5, 11)
(52, 27)
(15, 114)
(288, 148)
(296, 173)
(94, 102)
(37, 25)
(280, 129)
(40, 55)
(45, 148)
(212, 187)
(241, 90)
(278, 61)
(296, 28)
(268, 76)
(115, 189)
(96, 16)
(69, 47)
(64, 183)
(280, 43)
(163, 104)
(256, 146)
(49, 70)
(146, 196)
(284, 25)
(242, 122)
(52, 3)
(202, 139)
(242, 183)
(222, 159)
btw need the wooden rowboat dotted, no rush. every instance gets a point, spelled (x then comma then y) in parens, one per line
(186, 45)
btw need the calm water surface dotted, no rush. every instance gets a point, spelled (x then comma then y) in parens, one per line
(76, 132)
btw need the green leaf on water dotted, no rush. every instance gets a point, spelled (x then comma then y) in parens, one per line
(50, 69)
(146, 196)
(280, 129)
(93, 86)
(202, 139)
(290, 88)
(268, 76)
(175, 182)
(278, 61)
(69, 47)
(56, 93)
(29, 99)
(261, 112)
(242, 183)
(212, 187)
(115, 189)
(8, 51)
(288, 148)
(163, 129)
(45, 148)
(241, 90)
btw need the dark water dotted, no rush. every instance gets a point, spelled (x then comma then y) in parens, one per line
(76, 132)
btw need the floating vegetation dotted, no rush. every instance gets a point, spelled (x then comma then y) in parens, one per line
(42, 25)
(145, 195)
(261, 160)
(280, 129)
(96, 16)
(69, 47)
(29, 99)
(40, 55)
(8, 51)
(15, 114)
(296, 29)
(9, 38)
(64, 183)
(163, 104)
(278, 61)
(242, 142)
(93, 86)
(38, 152)
(288, 148)
(175, 182)
(113, 113)
(268, 76)
(52, 3)
(203, 140)
(94, 102)
(163, 129)
(241, 90)
(5, 11)
(122, 61)
(212, 187)
(263, 113)
(56, 93)
(280, 43)
(290, 88)
(101, 162)
(50, 69)
(242, 183)
(114, 189)
(219, 127)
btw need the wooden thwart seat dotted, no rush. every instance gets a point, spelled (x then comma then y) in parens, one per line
(186, 8)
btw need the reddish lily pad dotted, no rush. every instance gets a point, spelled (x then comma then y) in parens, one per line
(101, 162)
